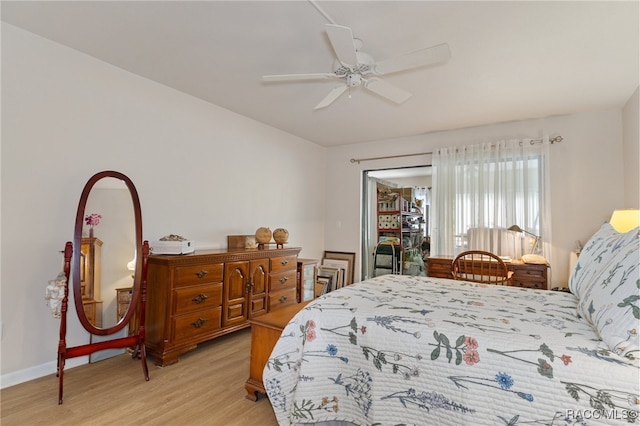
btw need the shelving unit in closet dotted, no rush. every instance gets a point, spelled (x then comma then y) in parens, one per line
(400, 232)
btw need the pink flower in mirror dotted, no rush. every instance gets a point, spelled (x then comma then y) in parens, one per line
(92, 220)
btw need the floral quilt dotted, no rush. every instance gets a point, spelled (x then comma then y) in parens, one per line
(403, 350)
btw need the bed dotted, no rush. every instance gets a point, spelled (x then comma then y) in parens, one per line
(428, 351)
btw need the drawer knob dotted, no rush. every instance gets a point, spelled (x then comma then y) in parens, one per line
(202, 273)
(283, 299)
(285, 262)
(283, 280)
(199, 323)
(200, 298)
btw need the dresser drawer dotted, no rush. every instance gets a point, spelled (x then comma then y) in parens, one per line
(283, 263)
(530, 274)
(188, 299)
(283, 280)
(540, 285)
(197, 323)
(280, 299)
(124, 296)
(185, 275)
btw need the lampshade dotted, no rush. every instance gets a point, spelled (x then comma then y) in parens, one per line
(625, 220)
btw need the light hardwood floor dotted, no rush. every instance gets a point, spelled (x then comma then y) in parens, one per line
(206, 387)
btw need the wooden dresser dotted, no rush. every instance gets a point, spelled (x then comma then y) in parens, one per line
(196, 297)
(524, 274)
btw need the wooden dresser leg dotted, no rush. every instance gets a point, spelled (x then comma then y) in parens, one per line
(252, 392)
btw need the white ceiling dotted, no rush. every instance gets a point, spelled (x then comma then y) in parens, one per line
(511, 60)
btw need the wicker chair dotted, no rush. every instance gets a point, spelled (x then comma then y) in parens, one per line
(480, 267)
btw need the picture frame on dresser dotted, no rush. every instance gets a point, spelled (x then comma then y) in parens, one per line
(349, 257)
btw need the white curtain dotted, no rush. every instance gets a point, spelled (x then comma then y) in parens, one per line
(500, 241)
(422, 193)
(490, 185)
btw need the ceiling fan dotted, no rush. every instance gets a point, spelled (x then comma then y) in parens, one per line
(357, 68)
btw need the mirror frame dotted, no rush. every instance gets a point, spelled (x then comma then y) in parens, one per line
(77, 243)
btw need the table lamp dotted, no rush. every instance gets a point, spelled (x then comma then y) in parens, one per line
(516, 228)
(131, 265)
(625, 220)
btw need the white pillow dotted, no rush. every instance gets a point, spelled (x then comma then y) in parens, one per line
(595, 255)
(612, 302)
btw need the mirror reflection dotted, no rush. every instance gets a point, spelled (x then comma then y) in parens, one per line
(107, 250)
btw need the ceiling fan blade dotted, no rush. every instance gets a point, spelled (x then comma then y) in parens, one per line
(420, 58)
(342, 41)
(332, 96)
(292, 77)
(386, 90)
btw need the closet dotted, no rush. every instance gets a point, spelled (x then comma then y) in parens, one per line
(396, 221)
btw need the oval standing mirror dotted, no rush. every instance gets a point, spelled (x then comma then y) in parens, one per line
(99, 264)
(105, 269)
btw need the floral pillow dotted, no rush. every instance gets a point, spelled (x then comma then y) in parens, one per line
(611, 303)
(595, 255)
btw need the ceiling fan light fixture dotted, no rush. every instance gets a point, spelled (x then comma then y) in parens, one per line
(354, 80)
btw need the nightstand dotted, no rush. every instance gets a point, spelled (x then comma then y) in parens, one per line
(528, 275)
(265, 332)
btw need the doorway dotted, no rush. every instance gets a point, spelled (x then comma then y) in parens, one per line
(414, 185)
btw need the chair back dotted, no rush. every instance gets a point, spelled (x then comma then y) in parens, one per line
(480, 267)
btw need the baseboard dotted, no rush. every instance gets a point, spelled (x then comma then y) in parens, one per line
(48, 368)
(32, 373)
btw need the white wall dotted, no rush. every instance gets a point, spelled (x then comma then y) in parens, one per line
(631, 152)
(586, 172)
(200, 170)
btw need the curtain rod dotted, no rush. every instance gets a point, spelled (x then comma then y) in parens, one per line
(555, 139)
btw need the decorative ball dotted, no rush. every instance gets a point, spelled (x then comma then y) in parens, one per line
(281, 236)
(263, 235)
